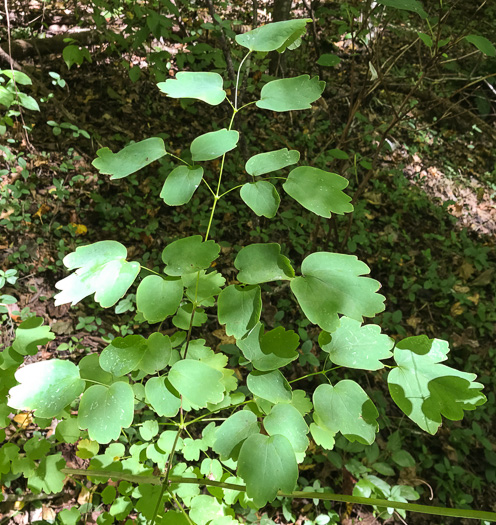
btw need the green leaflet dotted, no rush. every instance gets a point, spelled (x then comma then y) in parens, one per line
(262, 263)
(263, 163)
(231, 434)
(214, 144)
(207, 87)
(267, 464)
(346, 408)
(287, 421)
(180, 185)
(104, 411)
(202, 287)
(291, 94)
(162, 396)
(318, 191)
(46, 387)
(322, 436)
(271, 386)
(275, 36)
(206, 509)
(48, 477)
(405, 5)
(197, 382)
(261, 197)
(328, 60)
(30, 334)
(68, 431)
(356, 346)
(332, 283)
(424, 389)
(189, 255)
(89, 368)
(482, 44)
(134, 352)
(183, 317)
(102, 269)
(271, 350)
(19, 77)
(129, 159)
(239, 309)
(158, 298)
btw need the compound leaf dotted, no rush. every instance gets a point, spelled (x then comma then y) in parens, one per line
(239, 309)
(262, 263)
(104, 411)
(267, 465)
(189, 255)
(102, 269)
(275, 36)
(356, 346)
(46, 387)
(346, 408)
(214, 144)
(271, 161)
(158, 298)
(291, 94)
(425, 390)
(197, 382)
(129, 159)
(30, 334)
(180, 185)
(261, 197)
(318, 191)
(332, 283)
(207, 87)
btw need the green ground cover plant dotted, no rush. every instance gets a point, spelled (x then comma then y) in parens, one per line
(145, 409)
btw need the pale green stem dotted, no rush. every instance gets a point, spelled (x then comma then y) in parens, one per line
(216, 196)
(229, 191)
(180, 159)
(231, 104)
(148, 270)
(314, 374)
(208, 186)
(185, 514)
(237, 80)
(247, 104)
(167, 474)
(213, 412)
(325, 496)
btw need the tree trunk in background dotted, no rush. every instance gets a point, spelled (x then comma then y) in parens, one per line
(280, 11)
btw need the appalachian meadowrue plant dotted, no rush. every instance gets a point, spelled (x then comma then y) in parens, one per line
(251, 429)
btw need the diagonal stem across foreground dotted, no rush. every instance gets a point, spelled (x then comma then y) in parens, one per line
(326, 496)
